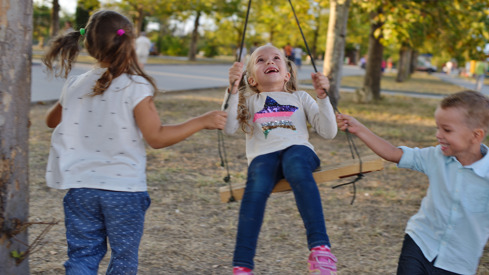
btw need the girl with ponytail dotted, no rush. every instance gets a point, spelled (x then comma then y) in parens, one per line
(102, 121)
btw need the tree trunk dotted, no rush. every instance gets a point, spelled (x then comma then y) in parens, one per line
(15, 85)
(414, 62)
(404, 64)
(373, 70)
(315, 35)
(335, 46)
(192, 53)
(272, 34)
(139, 19)
(55, 19)
(239, 35)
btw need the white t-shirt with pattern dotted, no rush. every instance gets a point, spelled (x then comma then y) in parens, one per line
(98, 144)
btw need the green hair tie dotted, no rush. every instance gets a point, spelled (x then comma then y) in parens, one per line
(82, 31)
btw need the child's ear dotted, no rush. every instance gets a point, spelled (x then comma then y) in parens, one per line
(251, 81)
(479, 134)
(287, 76)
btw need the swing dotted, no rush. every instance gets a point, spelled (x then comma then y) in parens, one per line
(345, 169)
(324, 174)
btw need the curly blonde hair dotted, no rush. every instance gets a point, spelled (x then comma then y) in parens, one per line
(245, 90)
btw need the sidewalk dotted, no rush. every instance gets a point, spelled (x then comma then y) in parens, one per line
(462, 82)
(167, 77)
(207, 76)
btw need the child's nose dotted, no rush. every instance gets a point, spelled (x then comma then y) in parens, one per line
(438, 134)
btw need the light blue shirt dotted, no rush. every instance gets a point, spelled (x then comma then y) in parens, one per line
(452, 224)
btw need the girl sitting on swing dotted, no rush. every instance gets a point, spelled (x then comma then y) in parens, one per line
(274, 116)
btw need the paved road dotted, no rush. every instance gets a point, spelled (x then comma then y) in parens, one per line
(462, 82)
(167, 77)
(189, 77)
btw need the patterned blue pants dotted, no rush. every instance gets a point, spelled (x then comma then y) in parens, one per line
(92, 217)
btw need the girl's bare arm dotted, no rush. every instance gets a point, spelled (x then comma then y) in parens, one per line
(53, 116)
(159, 136)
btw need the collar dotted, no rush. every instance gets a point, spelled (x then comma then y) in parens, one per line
(481, 167)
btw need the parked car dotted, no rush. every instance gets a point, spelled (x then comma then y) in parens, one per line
(426, 68)
(424, 65)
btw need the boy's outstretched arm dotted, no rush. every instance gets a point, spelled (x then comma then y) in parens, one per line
(380, 146)
(159, 136)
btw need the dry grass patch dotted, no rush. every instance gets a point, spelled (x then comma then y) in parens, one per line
(419, 82)
(188, 230)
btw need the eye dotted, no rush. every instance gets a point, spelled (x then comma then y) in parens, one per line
(277, 57)
(259, 59)
(443, 129)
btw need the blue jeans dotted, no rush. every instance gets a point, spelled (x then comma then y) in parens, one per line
(92, 217)
(413, 262)
(295, 164)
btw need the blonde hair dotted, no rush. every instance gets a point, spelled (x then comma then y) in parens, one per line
(245, 90)
(109, 38)
(475, 105)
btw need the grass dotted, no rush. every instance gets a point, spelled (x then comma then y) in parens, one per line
(419, 82)
(188, 230)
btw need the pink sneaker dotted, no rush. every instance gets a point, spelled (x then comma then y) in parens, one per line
(322, 262)
(238, 270)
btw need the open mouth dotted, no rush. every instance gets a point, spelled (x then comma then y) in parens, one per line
(271, 70)
(444, 146)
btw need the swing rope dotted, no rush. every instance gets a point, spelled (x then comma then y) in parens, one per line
(240, 53)
(224, 162)
(351, 144)
(220, 137)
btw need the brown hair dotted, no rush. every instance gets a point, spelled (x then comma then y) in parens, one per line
(475, 105)
(104, 43)
(290, 86)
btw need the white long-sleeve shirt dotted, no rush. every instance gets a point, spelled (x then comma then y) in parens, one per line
(279, 120)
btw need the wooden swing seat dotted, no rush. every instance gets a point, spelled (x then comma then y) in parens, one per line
(323, 174)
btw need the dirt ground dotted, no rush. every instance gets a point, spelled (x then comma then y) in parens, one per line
(189, 231)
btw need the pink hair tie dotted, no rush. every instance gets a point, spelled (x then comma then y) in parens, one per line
(120, 32)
